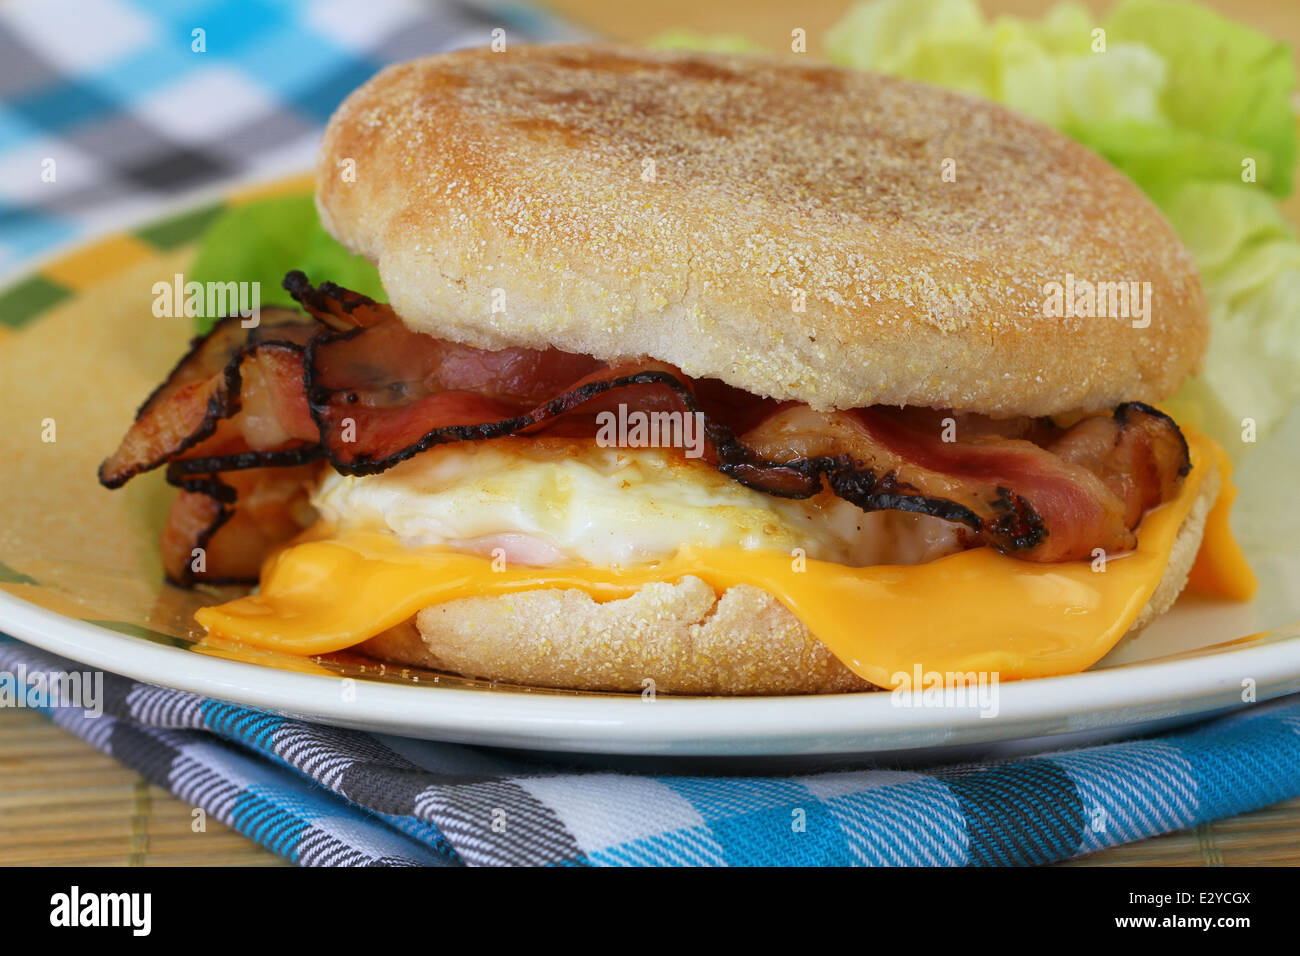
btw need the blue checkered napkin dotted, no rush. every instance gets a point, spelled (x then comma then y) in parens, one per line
(322, 796)
(115, 94)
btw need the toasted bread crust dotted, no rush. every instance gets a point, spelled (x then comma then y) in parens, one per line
(622, 202)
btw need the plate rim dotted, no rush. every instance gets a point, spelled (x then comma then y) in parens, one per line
(523, 715)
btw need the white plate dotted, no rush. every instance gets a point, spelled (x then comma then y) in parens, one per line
(1084, 707)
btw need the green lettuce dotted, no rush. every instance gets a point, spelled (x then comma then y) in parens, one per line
(1249, 260)
(1226, 96)
(260, 241)
(707, 42)
(1167, 91)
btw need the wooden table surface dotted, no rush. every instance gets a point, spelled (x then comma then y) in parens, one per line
(62, 802)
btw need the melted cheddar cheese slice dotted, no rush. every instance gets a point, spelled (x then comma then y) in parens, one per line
(973, 611)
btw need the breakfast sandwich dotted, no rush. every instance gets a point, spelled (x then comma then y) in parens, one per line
(709, 372)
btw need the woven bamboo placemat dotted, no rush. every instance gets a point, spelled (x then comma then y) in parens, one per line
(62, 802)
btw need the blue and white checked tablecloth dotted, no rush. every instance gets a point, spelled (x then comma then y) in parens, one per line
(133, 113)
(322, 796)
(115, 93)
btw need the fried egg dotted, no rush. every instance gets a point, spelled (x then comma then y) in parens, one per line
(545, 502)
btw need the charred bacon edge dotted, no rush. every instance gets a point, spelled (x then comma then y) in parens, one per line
(180, 471)
(210, 485)
(219, 407)
(318, 398)
(847, 479)
(329, 303)
(224, 496)
(224, 403)
(198, 341)
(1120, 415)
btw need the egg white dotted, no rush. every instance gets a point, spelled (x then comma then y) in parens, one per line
(552, 501)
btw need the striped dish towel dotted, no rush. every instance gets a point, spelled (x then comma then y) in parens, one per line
(109, 109)
(322, 796)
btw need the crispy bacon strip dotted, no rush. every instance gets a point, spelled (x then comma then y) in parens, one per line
(380, 393)
(1138, 452)
(364, 437)
(208, 540)
(359, 388)
(1019, 496)
(198, 410)
(195, 516)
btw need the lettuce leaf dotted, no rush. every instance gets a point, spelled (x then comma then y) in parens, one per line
(260, 241)
(937, 38)
(1227, 93)
(707, 42)
(1249, 260)
(1177, 92)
